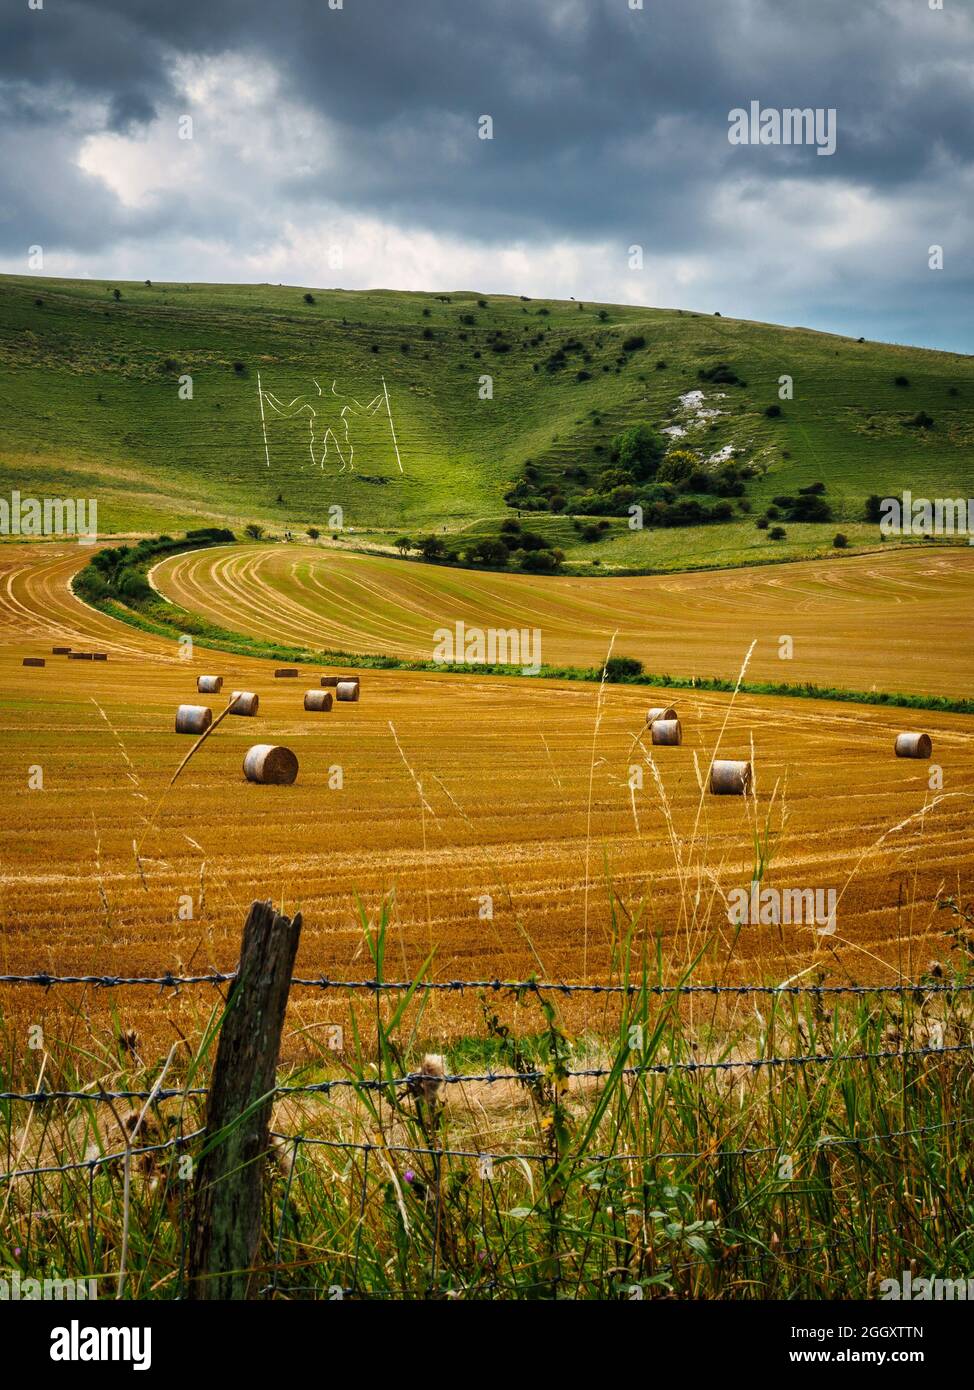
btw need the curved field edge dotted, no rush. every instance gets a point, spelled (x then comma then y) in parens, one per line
(162, 617)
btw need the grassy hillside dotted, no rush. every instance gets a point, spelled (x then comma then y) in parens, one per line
(92, 407)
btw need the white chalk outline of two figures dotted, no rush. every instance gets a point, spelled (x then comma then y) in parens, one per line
(302, 403)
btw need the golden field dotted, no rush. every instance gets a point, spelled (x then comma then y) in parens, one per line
(897, 620)
(454, 787)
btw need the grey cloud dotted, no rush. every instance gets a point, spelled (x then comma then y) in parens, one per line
(610, 124)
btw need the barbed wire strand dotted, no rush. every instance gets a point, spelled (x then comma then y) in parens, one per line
(492, 1078)
(419, 1150)
(171, 980)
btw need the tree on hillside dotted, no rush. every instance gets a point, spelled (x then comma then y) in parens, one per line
(312, 533)
(404, 545)
(488, 551)
(254, 530)
(432, 548)
(639, 449)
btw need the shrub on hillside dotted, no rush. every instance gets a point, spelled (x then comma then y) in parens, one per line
(808, 508)
(679, 466)
(203, 533)
(540, 561)
(530, 540)
(720, 374)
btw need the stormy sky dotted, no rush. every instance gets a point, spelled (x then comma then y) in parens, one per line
(341, 146)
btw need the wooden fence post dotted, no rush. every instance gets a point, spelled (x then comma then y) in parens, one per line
(227, 1189)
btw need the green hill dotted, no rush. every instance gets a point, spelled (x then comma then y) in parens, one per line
(92, 407)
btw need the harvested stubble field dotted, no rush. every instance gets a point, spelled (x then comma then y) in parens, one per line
(889, 621)
(453, 787)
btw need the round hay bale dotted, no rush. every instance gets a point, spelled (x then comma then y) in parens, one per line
(330, 681)
(193, 719)
(347, 690)
(286, 671)
(661, 712)
(209, 685)
(318, 700)
(913, 745)
(667, 731)
(730, 778)
(245, 702)
(268, 764)
(60, 651)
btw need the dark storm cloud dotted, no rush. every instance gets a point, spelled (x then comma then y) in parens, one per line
(609, 123)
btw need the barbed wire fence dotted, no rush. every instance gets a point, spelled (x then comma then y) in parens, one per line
(290, 1146)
